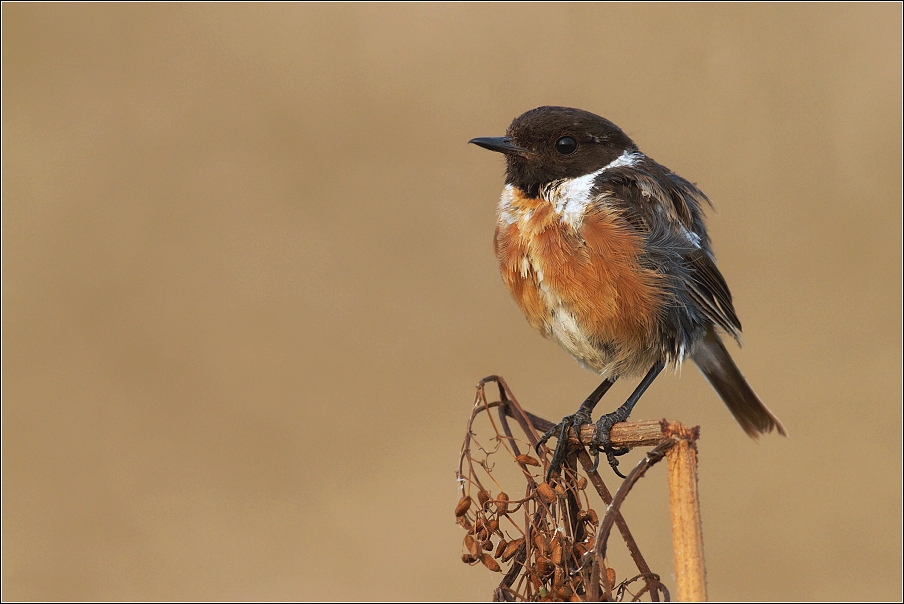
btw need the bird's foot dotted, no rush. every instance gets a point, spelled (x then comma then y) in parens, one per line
(560, 431)
(601, 443)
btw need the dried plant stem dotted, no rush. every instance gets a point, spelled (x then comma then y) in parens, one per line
(558, 549)
(646, 433)
(684, 507)
(612, 511)
(679, 445)
(606, 496)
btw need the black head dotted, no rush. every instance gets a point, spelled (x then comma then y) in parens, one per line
(550, 143)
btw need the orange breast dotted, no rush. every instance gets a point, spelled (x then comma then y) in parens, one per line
(579, 283)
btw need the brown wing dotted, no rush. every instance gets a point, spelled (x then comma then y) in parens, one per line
(667, 208)
(708, 289)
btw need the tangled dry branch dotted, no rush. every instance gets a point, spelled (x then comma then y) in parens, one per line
(546, 538)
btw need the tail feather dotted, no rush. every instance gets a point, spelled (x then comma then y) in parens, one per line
(724, 376)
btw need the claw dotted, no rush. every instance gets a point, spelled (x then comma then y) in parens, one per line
(596, 460)
(602, 443)
(613, 462)
(545, 438)
(560, 431)
(559, 454)
(581, 417)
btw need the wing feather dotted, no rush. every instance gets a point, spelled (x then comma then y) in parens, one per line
(667, 210)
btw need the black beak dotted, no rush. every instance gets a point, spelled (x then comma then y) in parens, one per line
(502, 144)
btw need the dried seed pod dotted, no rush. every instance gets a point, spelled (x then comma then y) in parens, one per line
(471, 545)
(580, 549)
(582, 483)
(540, 542)
(583, 516)
(556, 556)
(465, 523)
(488, 546)
(483, 497)
(463, 505)
(546, 493)
(560, 490)
(558, 577)
(468, 558)
(490, 563)
(527, 460)
(542, 565)
(500, 548)
(511, 549)
(492, 525)
(610, 575)
(564, 593)
(566, 551)
(502, 503)
(483, 534)
(594, 519)
(479, 524)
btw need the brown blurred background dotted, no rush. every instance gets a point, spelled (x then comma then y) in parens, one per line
(249, 287)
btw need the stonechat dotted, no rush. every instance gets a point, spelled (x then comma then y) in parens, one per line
(606, 253)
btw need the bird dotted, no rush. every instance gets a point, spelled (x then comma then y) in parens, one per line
(606, 253)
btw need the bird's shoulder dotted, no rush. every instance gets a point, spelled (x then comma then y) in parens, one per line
(650, 196)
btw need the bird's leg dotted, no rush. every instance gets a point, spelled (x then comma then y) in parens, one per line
(560, 430)
(600, 441)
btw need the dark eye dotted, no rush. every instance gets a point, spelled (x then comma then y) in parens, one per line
(566, 145)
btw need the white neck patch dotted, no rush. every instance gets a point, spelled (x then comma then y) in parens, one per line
(507, 213)
(571, 196)
(628, 158)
